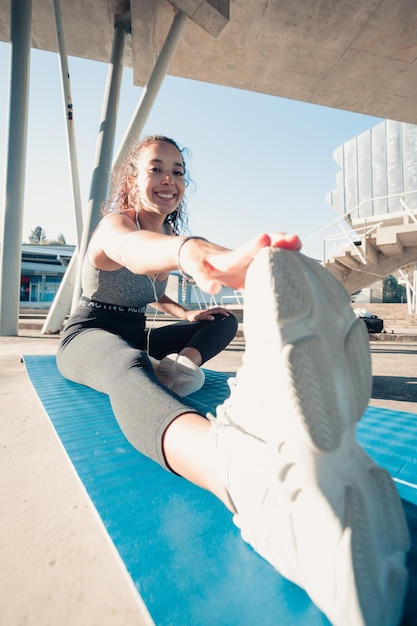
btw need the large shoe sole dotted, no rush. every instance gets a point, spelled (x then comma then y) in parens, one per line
(331, 520)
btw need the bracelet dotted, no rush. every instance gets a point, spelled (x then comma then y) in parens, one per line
(184, 275)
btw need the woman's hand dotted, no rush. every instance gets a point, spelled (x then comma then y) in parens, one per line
(206, 314)
(212, 266)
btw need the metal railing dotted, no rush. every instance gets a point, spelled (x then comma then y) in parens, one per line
(365, 230)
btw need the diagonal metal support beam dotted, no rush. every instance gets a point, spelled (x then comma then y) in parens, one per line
(69, 288)
(100, 183)
(69, 117)
(62, 300)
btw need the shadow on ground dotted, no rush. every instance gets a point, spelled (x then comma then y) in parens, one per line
(402, 388)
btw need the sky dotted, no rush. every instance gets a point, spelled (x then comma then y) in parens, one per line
(259, 163)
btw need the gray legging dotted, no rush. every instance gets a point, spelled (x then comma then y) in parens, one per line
(142, 406)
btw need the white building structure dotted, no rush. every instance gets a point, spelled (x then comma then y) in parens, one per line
(376, 197)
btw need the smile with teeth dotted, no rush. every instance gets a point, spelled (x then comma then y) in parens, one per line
(165, 196)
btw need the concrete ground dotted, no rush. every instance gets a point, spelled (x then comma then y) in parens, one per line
(59, 567)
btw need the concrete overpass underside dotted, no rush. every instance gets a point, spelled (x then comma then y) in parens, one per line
(357, 55)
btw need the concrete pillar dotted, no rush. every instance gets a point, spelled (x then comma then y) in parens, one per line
(11, 249)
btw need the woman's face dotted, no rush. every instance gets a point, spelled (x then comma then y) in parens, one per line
(160, 178)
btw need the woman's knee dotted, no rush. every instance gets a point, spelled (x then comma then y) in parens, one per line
(97, 358)
(216, 336)
(229, 323)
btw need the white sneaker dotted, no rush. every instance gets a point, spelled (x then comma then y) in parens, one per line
(180, 374)
(308, 498)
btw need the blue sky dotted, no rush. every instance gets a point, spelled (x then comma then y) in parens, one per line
(260, 163)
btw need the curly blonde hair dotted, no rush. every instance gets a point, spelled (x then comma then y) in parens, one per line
(128, 193)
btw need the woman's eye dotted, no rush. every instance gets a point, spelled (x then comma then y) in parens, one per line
(155, 169)
(179, 173)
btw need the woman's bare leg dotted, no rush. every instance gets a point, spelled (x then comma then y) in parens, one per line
(190, 451)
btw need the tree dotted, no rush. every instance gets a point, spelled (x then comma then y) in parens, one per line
(37, 235)
(60, 241)
(392, 291)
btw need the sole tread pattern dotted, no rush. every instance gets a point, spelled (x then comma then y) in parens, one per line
(363, 558)
(394, 522)
(315, 395)
(290, 280)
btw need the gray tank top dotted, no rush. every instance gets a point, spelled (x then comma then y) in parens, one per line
(120, 286)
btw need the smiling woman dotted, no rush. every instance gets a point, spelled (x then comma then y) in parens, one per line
(140, 239)
(130, 255)
(105, 344)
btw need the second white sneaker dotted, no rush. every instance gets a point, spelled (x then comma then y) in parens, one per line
(180, 374)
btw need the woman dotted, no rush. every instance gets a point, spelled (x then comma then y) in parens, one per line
(105, 345)
(150, 198)
(281, 455)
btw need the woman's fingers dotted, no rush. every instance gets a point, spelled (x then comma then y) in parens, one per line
(285, 240)
(239, 259)
(229, 267)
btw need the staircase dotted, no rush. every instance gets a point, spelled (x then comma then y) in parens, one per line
(376, 248)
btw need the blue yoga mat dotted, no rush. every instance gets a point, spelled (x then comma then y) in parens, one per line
(178, 542)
